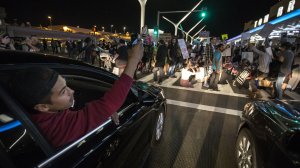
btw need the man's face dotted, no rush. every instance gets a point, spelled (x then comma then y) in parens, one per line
(213, 40)
(62, 96)
(5, 40)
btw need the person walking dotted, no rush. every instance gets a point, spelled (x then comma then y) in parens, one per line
(286, 58)
(161, 55)
(216, 65)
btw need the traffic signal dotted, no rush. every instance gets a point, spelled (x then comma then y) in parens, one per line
(203, 13)
(155, 31)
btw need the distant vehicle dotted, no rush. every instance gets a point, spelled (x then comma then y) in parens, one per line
(142, 119)
(269, 135)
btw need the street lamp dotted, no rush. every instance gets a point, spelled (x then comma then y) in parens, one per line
(50, 20)
(193, 29)
(198, 32)
(94, 29)
(176, 25)
(102, 28)
(124, 28)
(111, 26)
(143, 9)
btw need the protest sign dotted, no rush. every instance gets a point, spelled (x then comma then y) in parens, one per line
(184, 51)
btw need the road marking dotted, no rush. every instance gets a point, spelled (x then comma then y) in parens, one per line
(205, 107)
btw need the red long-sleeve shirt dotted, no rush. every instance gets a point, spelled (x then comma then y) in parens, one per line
(66, 126)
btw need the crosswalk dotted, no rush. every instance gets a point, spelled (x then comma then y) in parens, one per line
(205, 107)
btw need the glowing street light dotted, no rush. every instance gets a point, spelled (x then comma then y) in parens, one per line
(50, 21)
(124, 29)
(102, 28)
(111, 26)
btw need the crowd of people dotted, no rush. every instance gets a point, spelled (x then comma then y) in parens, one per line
(270, 66)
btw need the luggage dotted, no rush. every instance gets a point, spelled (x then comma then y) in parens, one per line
(241, 78)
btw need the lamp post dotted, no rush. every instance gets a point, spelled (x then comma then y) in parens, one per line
(193, 29)
(124, 29)
(143, 9)
(111, 26)
(50, 21)
(94, 29)
(176, 25)
(198, 32)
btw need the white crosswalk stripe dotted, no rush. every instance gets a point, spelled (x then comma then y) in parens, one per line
(205, 107)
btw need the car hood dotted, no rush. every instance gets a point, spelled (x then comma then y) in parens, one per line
(149, 88)
(286, 113)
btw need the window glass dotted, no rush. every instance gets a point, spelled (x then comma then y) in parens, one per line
(89, 89)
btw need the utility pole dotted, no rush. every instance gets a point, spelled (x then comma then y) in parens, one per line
(143, 9)
(192, 29)
(198, 32)
(159, 12)
(177, 24)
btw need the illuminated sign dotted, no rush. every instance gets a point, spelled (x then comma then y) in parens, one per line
(293, 14)
(280, 11)
(291, 5)
(259, 21)
(266, 18)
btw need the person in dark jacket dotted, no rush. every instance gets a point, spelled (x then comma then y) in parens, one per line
(46, 94)
(173, 57)
(161, 55)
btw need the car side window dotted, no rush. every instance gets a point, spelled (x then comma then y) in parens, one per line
(15, 140)
(88, 89)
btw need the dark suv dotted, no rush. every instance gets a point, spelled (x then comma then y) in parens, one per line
(22, 144)
(269, 135)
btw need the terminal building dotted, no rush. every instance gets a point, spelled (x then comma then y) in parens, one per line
(282, 20)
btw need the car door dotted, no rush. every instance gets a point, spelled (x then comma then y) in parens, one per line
(88, 151)
(133, 135)
(108, 144)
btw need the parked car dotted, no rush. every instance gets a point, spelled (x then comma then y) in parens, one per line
(128, 144)
(269, 135)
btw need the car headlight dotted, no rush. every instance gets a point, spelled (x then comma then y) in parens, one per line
(247, 106)
(162, 94)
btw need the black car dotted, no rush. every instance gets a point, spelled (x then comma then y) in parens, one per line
(269, 135)
(22, 144)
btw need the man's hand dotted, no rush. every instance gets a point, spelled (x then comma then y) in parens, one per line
(115, 118)
(136, 52)
(134, 57)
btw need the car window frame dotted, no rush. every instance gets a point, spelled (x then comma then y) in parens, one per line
(64, 70)
(97, 130)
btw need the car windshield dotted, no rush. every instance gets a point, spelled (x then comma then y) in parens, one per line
(287, 112)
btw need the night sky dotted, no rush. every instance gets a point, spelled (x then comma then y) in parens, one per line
(223, 16)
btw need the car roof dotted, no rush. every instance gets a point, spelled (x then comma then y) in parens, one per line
(19, 57)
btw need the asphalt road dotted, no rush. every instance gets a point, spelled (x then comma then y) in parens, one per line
(200, 130)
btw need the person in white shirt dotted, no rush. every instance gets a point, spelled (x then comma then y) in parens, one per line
(186, 73)
(264, 60)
